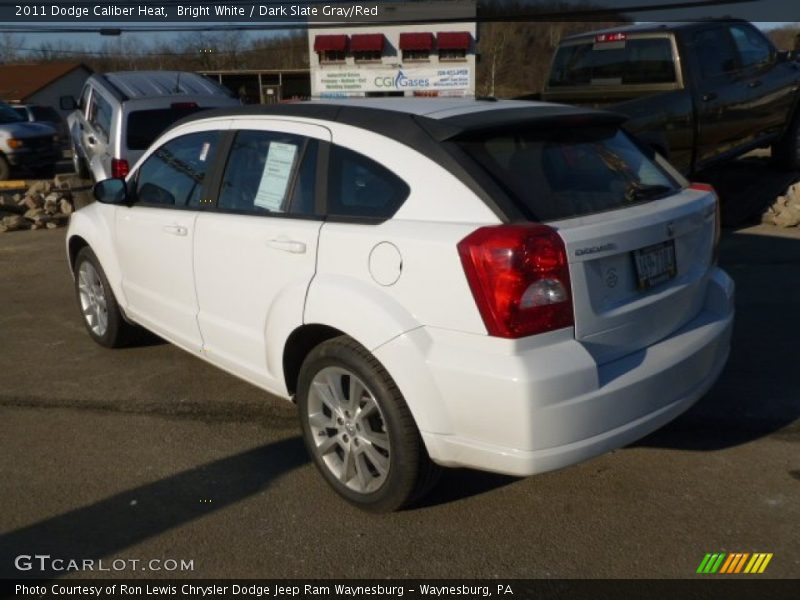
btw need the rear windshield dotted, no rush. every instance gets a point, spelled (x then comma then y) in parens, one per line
(558, 173)
(647, 60)
(144, 126)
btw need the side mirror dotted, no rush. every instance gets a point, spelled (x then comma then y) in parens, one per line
(67, 103)
(111, 191)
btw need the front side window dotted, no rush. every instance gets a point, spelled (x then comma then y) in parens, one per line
(100, 114)
(269, 172)
(558, 173)
(173, 175)
(753, 49)
(360, 187)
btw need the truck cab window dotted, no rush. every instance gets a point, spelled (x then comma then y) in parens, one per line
(753, 49)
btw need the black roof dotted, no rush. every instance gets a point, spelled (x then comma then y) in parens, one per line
(429, 133)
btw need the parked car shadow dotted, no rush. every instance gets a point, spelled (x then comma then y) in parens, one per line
(458, 484)
(118, 522)
(758, 393)
(747, 187)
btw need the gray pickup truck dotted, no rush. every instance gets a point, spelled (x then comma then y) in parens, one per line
(35, 146)
(699, 93)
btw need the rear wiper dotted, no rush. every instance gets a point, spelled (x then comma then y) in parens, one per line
(637, 192)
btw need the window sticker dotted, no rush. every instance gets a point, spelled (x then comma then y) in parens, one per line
(204, 152)
(275, 177)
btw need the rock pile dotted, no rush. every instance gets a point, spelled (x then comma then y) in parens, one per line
(786, 210)
(45, 205)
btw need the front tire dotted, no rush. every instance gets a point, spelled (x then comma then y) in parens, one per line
(99, 309)
(359, 430)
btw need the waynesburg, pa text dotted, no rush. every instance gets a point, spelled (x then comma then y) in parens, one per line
(254, 590)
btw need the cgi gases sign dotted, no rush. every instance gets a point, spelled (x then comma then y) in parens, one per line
(340, 82)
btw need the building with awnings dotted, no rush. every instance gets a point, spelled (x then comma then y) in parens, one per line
(429, 59)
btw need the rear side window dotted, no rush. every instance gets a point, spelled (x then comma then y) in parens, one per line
(644, 60)
(269, 172)
(360, 187)
(174, 174)
(558, 173)
(144, 126)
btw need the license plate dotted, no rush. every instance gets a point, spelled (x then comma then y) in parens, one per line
(655, 264)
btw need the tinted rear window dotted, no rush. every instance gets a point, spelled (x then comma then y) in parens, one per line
(558, 173)
(144, 126)
(647, 60)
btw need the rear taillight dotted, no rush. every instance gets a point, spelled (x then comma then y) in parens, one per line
(519, 278)
(119, 167)
(705, 187)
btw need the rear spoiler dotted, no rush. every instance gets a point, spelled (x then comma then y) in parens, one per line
(465, 125)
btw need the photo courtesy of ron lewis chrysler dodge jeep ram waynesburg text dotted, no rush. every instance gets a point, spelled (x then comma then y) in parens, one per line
(507, 286)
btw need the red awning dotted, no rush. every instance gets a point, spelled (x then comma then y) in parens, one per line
(367, 42)
(330, 43)
(453, 40)
(416, 41)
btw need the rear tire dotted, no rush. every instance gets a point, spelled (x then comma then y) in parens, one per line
(359, 430)
(99, 309)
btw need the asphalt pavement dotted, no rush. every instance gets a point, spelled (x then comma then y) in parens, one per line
(150, 453)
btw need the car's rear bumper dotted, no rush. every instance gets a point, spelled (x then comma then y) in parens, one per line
(524, 410)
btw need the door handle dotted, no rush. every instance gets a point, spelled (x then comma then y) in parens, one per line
(286, 245)
(754, 84)
(709, 96)
(175, 230)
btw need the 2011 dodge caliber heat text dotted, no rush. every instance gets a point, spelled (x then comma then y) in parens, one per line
(508, 286)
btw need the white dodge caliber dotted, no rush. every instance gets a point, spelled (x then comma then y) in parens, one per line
(508, 286)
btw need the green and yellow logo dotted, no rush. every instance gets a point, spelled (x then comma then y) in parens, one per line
(736, 562)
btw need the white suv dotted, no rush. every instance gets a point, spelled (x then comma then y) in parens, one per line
(508, 286)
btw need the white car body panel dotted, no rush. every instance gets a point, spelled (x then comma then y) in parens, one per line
(632, 361)
(157, 277)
